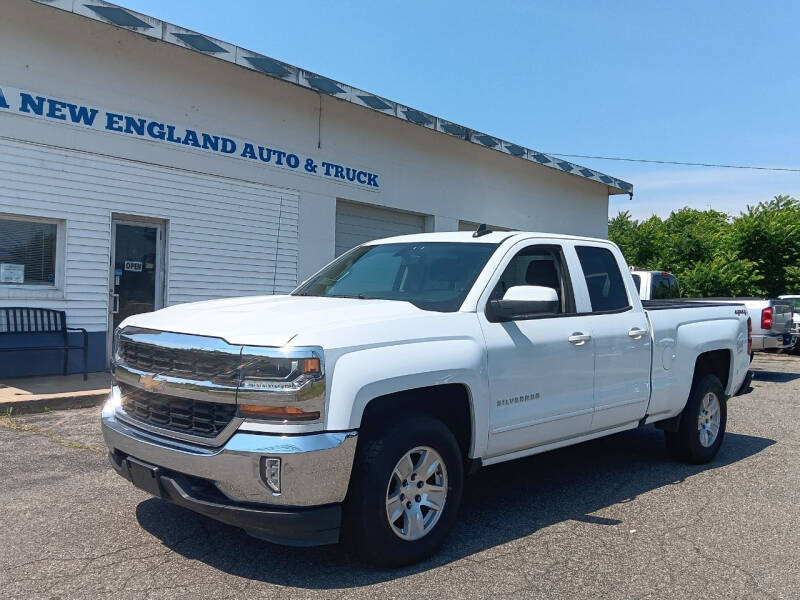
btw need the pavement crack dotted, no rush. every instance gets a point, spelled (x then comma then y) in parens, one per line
(9, 422)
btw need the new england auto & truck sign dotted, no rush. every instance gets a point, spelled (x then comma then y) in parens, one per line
(41, 106)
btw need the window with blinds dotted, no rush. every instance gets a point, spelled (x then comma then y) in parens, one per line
(27, 252)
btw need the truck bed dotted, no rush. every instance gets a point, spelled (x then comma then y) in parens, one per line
(680, 303)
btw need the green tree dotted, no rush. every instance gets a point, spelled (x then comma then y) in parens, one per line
(769, 235)
(754, 254)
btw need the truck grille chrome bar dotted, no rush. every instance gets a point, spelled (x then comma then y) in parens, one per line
(198, 365)
(195, 417)
(185, 387)
(177, 385)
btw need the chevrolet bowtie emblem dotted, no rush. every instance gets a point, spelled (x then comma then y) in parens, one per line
(148, 382)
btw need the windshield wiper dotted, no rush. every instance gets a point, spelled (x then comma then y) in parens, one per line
(357, 296)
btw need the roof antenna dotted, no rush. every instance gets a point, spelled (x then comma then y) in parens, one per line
(481, 230)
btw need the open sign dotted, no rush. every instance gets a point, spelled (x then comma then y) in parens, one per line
(133, 265)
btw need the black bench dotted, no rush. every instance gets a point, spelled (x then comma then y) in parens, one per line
(43, 322)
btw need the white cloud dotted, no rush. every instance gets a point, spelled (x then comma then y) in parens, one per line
(728, 190)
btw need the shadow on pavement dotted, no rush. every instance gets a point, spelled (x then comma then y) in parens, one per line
(774, 376)
(501, 503)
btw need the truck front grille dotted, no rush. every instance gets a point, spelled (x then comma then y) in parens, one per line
(196, 365)
(183, 415)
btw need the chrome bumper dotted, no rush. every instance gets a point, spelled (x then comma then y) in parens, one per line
(771, 342)
(315, 468)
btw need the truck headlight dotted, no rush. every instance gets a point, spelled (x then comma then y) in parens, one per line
(282, 386)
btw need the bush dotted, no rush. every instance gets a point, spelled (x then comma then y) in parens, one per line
(713, 254)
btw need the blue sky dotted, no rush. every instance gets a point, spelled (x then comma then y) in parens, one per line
(711, 82)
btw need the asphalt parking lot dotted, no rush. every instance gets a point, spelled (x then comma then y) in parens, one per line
(613, 518)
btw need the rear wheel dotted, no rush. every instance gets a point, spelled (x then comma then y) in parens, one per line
(405, 492)
(703, 421)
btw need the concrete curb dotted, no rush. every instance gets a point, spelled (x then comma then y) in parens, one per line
(39, 405)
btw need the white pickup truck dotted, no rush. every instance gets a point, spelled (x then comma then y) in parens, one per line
(354, 407)
(655, 285)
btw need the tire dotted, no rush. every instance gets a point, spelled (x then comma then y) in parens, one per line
(367, 529)
(700, 433)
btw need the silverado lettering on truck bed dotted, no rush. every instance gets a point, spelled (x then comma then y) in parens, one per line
(353, 408)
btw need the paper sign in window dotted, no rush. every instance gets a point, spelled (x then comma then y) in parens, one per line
(12, 273)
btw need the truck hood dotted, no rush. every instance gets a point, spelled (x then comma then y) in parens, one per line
(274, 320)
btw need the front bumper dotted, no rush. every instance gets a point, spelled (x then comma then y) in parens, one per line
(315, 472)
(313, 526)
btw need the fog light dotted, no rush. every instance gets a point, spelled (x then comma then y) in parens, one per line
(271, 473)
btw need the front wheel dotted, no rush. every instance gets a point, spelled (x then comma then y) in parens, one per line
(405, 492)
(703, 421)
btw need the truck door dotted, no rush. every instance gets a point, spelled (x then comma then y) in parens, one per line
(621, 336)
(541, 370)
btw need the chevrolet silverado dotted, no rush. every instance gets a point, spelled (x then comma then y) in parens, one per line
(352, 409)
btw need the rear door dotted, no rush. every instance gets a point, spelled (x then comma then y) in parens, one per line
(621, 336)
(541, 370)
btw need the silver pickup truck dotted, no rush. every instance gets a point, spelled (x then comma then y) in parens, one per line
(772, 321)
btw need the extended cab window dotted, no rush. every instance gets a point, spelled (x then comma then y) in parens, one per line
(606, 288)
(538, 265)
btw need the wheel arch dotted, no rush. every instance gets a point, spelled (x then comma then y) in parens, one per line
(714, 362)
(444, 372)
(717, 362)
(449, 403)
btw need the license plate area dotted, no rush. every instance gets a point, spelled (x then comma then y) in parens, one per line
(144, 476)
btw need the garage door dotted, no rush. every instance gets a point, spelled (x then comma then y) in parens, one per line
(470, 226)
(359, 223)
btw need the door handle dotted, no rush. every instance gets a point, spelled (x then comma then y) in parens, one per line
(637, 333)
(114, 304)
(579, 338)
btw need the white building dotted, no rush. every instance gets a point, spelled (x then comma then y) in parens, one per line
(142, 165)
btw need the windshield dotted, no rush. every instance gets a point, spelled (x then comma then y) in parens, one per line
(432, 276)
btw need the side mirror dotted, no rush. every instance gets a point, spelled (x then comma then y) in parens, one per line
(523, 302)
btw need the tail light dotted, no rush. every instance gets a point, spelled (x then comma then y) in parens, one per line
(749, 335)
(766, 318)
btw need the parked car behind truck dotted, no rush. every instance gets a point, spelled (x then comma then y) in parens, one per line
(772, 322)
(773, 326)
(353, 408)
(655, 285)
(794, 300)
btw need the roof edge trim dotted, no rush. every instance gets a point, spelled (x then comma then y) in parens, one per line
(275, 69)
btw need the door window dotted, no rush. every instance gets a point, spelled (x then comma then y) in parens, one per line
(603, 279)
(538, 265)
(135, 266)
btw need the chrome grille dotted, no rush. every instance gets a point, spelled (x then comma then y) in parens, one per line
(197, 365)
(192, 417)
